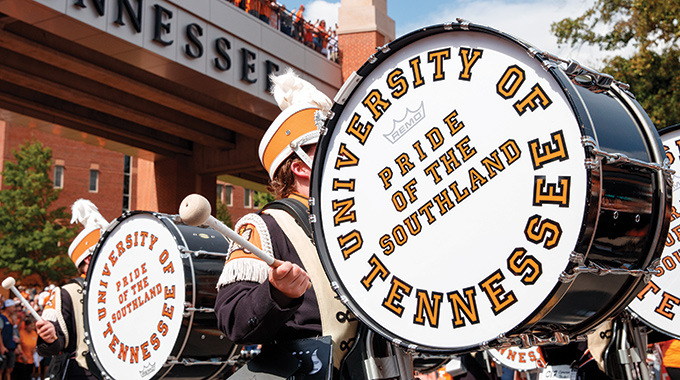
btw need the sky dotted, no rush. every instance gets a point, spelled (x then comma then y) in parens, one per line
(528, 20)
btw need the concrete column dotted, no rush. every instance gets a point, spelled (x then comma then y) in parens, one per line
(163, 184)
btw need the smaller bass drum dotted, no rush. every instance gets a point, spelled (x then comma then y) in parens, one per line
(520, 359)
(150, 297)
(657, 303)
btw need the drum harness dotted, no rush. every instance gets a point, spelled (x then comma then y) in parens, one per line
(335, 318)
(397, 363)
(81, 356)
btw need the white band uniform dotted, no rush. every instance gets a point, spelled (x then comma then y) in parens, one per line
(461, 194)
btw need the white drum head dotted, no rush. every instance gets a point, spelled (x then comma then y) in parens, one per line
(520, 359)
(657, 303)
(441, 229)
(136, 297)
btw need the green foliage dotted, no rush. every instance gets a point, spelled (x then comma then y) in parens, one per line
(262, 198)
(31, 239)
(653, 28)
(222, 214)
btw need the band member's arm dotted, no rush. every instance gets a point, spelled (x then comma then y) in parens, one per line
(247, 312)
(249, 307)
(51, 334)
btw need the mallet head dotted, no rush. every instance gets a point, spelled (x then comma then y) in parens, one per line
(8, 283)
(194, 210)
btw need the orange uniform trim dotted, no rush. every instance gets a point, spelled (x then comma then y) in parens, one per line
(89, 241)
(250, 233)
(297, 125)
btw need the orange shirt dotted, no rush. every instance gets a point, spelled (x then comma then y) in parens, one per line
(27, 340)
(265, 9)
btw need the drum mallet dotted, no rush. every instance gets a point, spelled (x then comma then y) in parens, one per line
(195, 211)
(8, 283)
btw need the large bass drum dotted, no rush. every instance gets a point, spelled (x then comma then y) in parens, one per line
(472, 191)
(657, 303)
(150, 297)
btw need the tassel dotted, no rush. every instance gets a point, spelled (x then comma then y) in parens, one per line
(253, 270)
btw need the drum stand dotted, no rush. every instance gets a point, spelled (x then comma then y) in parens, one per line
(397, 364)
(630, 346)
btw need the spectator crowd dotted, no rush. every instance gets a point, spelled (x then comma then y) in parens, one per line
(19, 359)
(318, 36)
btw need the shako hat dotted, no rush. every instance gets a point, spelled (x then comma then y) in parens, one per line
(87, 214)
(303, 108)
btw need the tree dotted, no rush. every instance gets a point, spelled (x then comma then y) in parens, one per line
(653, 28)
(222, 214)
(34, 238)
(262, 198)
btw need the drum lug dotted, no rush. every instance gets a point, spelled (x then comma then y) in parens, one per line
(577, 258)
(588, 142)
(601, 270)
(464, 24)
(384, 49)
(558, 338)
(381, 49)
(592, 164)
(342, 298)
(189, 308)
(589, 78)
(619, 158)
(651, 270)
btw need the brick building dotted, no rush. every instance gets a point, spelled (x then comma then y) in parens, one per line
(119, 177)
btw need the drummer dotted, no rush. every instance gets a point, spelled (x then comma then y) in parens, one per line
(257, 304)
(62, 329)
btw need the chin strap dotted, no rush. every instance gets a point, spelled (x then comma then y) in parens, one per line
(297, 144)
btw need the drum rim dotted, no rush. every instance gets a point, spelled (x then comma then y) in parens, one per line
(368, 66)
(90, 342)
(669, 129)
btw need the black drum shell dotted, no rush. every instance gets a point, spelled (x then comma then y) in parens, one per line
(629, 210)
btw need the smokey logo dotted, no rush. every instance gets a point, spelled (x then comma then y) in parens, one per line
(409, 121)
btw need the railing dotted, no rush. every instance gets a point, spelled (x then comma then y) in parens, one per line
(317, 36)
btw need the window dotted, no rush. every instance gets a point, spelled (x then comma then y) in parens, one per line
(94, 181)
(228, 190)
(247, 198)
(58, 176)
(220, 189)
(126, 183)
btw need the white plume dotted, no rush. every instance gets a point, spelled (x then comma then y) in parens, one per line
(87, 214)
(288, 89)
